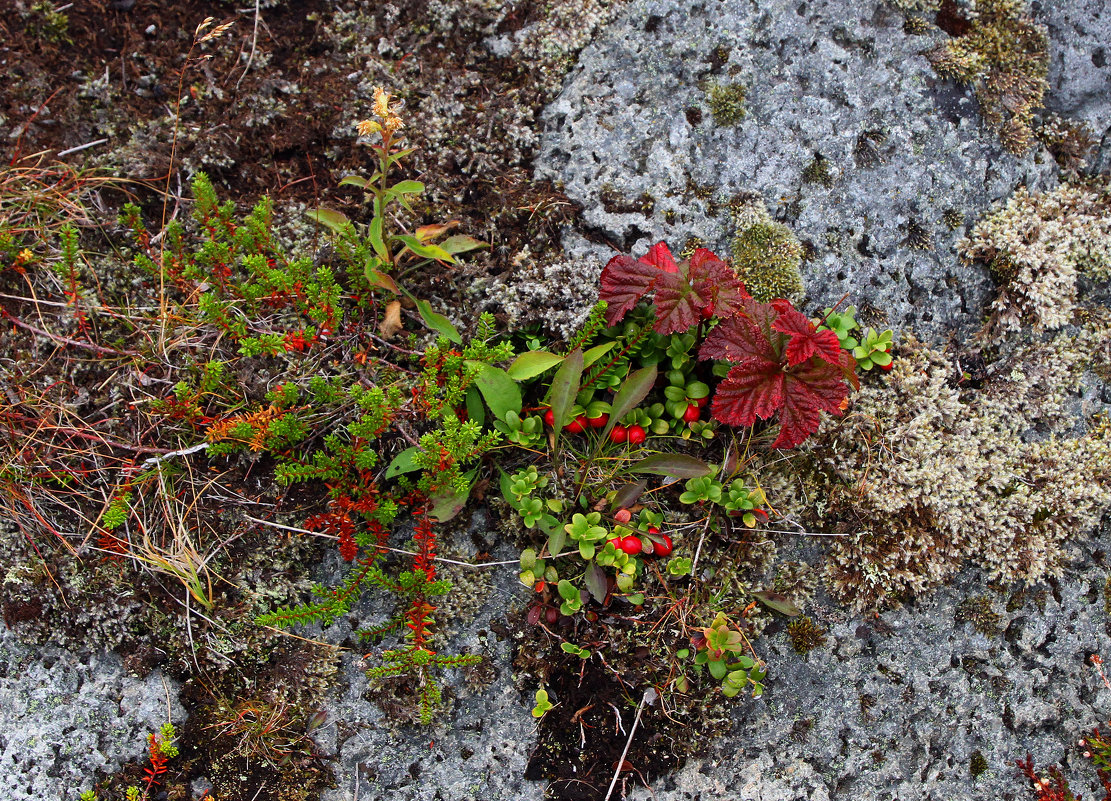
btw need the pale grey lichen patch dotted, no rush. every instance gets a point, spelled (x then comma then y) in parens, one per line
(557, 296)
(66, 717)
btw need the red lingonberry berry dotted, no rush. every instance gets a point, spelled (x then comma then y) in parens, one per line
(549, 417)
(616, 543)
(653, 530)
(599, 422)
(692, 413)
(636, 435)
(663, 547)
(577, 425)
(886, 367)
(631, 545)
(623, 516)
(702, 401)
(618, 433)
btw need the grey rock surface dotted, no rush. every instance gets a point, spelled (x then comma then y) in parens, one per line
(894, 707)
(478, 748)
(832, 79)
(67, 716)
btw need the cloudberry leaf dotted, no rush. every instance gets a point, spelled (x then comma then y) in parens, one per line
(659, 255)
(805, 338)
(745, 338)
(764, 380)
(682, 292)
(625, 280)
(717, 284)
(813, 387)
(678, 305)
(749, 392)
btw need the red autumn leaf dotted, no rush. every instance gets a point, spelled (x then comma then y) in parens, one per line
(805, 338)
(764, 380)
(812, 388)
(682, 292)
(678, 305)
(659, 255)
(625, 280)
(716, 283)
(746, 337)
(749, 392)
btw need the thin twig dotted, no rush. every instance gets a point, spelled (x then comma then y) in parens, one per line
(649, 697)
(65, 340)
(85, 146)
(254, 44)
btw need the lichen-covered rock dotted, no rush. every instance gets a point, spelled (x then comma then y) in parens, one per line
(904, 150)
(67, 716)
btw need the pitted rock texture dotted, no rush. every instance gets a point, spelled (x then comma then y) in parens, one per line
(67, 716)
(632, 138)
(895, 706)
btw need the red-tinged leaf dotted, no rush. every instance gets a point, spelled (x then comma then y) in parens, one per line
(716, 283)
(812, 388)
(745, 338)
(678, 306)
(748, 393)
(660, 256)
(624, 282)
(805, 338)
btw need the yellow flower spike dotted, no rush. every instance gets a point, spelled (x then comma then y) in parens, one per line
(381, 102)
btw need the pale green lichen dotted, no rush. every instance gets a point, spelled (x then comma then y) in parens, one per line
(1035, 246)
(921, 477)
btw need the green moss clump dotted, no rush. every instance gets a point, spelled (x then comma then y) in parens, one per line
(818, 172)
(1004, 57)
(805, 635)
(727, 102)
(979, 612)
(977, 764)
(767, 257)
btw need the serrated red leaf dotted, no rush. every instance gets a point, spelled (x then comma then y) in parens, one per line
(715, 282)
(806, 340)
(814, 387)
(745, 337)
(625, 281)
(764, 379)
(749, 392)
(678, 305)
(659, 255)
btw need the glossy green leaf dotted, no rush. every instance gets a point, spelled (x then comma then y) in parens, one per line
(676, 465)
(329, 218)
(565, 386)
(403, 462)
(500, 392)
(475, 410)
(354, 180)
(434, 320)
(597, 352)
(427, 251)
(532, 363)
(461, 243)
(633, 390)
